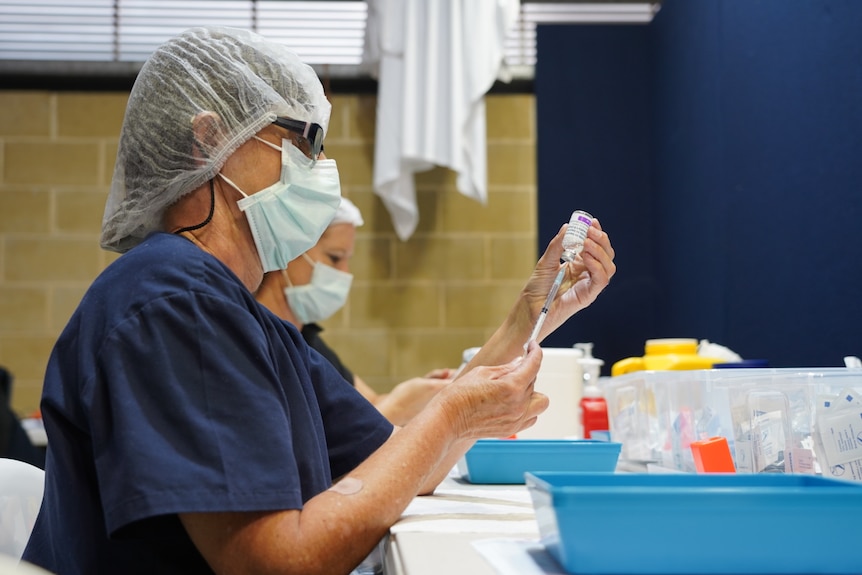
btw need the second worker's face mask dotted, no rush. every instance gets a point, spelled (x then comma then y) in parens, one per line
(288, 217)
(324, 295)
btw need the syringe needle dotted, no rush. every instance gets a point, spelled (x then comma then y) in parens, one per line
(550, 300)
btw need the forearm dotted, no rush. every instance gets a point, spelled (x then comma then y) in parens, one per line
(413, 458)
(507, 342)
(336, 529)
(447, 463)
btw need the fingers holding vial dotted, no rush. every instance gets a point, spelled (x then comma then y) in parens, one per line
(598, 257)
(577, 265)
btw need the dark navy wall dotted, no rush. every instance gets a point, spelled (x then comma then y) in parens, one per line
(742, 224)
(594, 139)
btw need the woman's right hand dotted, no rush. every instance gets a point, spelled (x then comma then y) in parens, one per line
(495, 401)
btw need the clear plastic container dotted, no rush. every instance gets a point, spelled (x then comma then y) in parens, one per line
(767, 415)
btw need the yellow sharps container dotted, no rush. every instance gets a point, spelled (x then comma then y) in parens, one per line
(665, 354)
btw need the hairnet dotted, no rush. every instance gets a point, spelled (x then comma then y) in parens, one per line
(347, 213)
(240, 79)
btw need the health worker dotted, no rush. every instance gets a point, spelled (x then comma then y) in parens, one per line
(190, 430)
(316, 285)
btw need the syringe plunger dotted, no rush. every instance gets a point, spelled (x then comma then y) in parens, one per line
(576, 233)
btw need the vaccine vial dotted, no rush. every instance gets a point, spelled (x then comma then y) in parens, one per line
(576, 233)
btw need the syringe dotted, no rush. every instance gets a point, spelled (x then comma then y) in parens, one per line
(573, 243)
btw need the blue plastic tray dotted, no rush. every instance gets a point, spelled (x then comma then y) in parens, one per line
(506, 460)
(602, 523)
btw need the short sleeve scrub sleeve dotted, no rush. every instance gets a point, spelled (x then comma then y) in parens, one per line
(172, 390)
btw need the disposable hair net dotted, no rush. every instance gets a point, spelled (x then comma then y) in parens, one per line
(195, 101)
(347, 213)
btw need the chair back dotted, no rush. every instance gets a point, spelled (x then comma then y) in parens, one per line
(10, 566)
(21, 488)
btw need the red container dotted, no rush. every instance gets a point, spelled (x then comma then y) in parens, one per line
(594, 415)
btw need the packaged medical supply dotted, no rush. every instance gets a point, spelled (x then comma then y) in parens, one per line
(838, 434)
(772, 418)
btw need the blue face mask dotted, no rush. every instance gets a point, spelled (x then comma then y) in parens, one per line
(323, 296)
(288, 217)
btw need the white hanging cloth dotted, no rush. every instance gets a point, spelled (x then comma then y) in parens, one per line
(435, 60)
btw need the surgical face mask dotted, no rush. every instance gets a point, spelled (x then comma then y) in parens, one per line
(288, 217)
(323, 296)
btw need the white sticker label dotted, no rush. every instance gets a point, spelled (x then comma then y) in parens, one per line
(842, 436)
(838, 435)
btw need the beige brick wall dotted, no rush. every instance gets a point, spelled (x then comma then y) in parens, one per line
(414, 305)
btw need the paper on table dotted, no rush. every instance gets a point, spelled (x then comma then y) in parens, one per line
(518, 557)
(439, 506)
(500, 525)
(447, 501)
(470, 511)
(514, 496)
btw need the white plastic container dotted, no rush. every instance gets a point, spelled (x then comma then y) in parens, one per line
(560, 379)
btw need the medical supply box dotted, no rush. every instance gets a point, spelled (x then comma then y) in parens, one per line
(775, 420)
(495, 461)
(685, 523)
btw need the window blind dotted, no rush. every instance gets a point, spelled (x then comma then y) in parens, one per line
(90, 34)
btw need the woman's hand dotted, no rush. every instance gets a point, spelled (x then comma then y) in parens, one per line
(408, 397)
(495, 401)
(586, 276)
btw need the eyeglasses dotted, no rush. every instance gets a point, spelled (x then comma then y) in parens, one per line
(311, 133)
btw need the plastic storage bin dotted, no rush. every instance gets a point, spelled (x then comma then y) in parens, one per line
(768, 416)
(610, 523)
(506, 460)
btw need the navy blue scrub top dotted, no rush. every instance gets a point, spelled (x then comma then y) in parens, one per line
(171, 390)
(311, 334)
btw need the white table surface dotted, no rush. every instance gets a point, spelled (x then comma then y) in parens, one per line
(437, 536)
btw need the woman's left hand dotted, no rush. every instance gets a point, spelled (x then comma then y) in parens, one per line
(586, 276)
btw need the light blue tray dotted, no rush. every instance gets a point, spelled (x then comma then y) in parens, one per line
(506, 460)
(632, 523)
